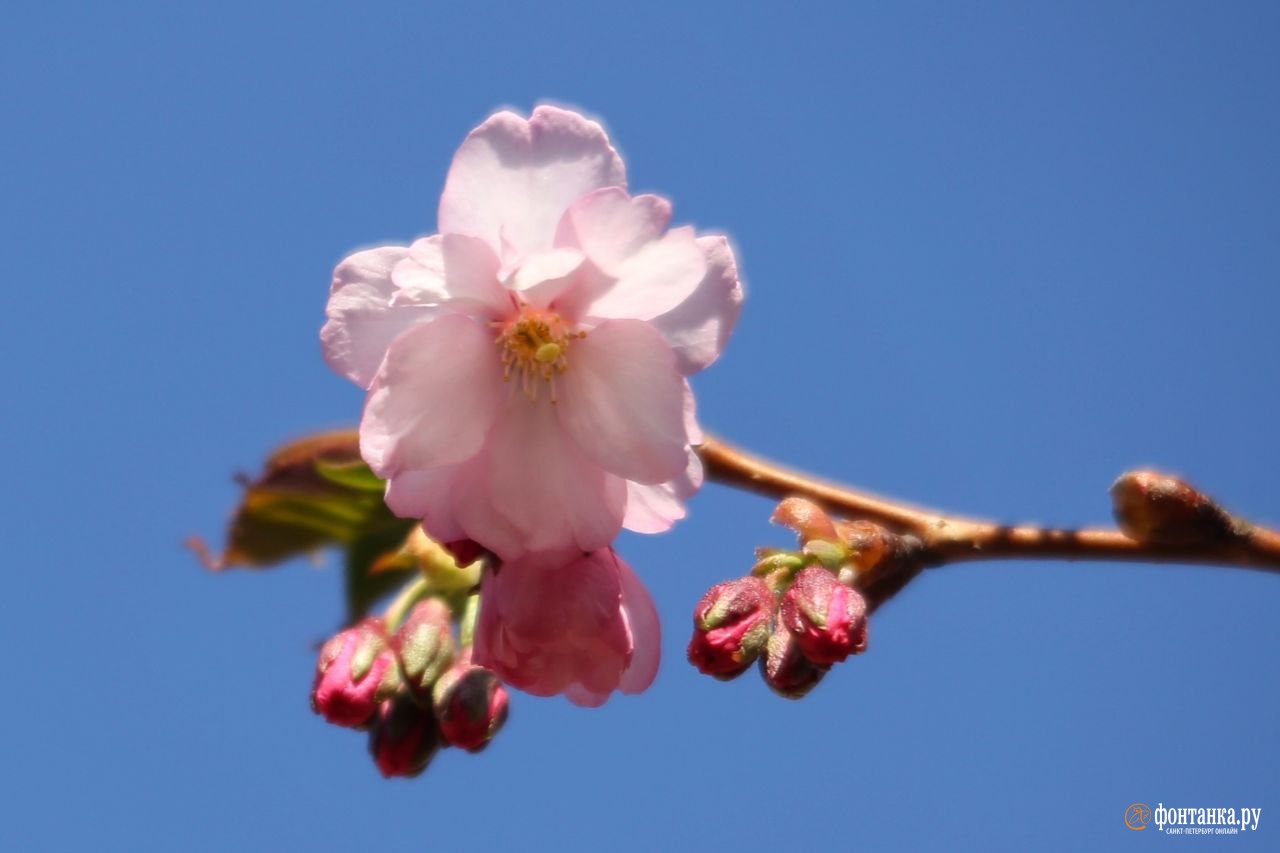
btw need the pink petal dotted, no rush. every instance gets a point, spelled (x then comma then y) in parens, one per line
(623, 402)
(434, 398)
(513, 179)
(652, 508)
(476, 514)
(541, 485)
(426, 495)
(691, 427)
(656, 508)
(646, 632)
(451, 269)
(654, 280)
(362, 321)
(584, 698)
(610, 226)
(698, 328)
(551, 621)
(419, 276)
(545, 275)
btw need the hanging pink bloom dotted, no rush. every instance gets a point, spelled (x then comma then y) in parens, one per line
(583, 626)
(527, 367)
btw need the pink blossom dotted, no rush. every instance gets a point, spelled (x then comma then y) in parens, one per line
(527, 367)
(583, 626)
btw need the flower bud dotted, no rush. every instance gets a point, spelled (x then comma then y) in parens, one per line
(470, 704)
(424, 643)
(785, 669)
(355, 672)
(404, 737)
(1155, 507)
(806, 518)
(827, 618)
(730, 626)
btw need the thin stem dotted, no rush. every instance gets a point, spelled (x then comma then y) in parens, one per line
(467, 625)
(409, 596)
(732, 466)
(945, 538)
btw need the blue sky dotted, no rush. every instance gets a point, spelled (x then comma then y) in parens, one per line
(997, 253)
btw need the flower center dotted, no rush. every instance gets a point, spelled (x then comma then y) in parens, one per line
(535, 346)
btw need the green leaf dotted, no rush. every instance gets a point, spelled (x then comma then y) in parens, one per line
(365, 585)
(312, 494)
(353, 475)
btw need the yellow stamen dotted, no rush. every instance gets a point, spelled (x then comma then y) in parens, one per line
(535, 346)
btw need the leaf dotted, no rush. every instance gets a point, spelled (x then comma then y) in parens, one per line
(368, 577)
(313, 493)
(353, 475)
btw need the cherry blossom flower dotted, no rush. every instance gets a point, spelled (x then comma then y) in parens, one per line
(527, 367)
(582, 625)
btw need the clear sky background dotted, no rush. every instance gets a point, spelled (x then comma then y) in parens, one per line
(996, 254)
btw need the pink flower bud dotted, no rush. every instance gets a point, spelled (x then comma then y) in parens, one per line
(424, 643)
(404, 737)
(355, 672)
(730, 626)
(470, 704)
(827, 618)
(785, 669)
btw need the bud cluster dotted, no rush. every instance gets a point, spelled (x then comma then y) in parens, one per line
(799, 612)
(411, 688)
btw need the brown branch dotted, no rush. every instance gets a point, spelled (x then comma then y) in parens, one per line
(943, 538)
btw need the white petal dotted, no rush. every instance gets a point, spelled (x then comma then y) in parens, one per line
(513, 179)
(610, 226)
(453, 270)
(698, 328)
(655, 279)
(419, 277)
(545, 275)
(362, 321)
